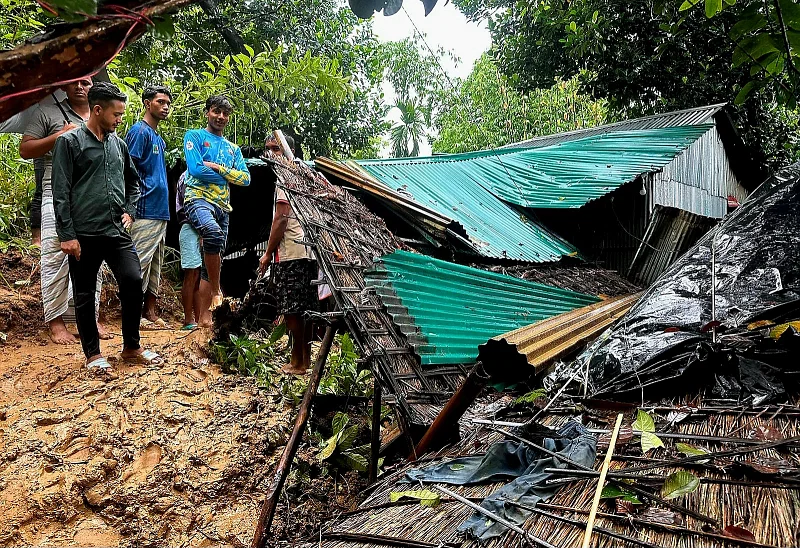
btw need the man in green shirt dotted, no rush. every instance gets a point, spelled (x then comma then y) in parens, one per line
(95, 190)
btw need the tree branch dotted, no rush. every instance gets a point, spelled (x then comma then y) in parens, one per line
(231, 37)
(785, 35)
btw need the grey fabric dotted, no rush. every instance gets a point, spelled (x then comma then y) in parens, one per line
(510, 460)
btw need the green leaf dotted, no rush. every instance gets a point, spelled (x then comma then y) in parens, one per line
(713, 7)
(644, 422)
(425, 497)
(164, 27)
(691, 451)
(748, 25)
(678, 484)
(329, 449)
(688, 4)
(650, 441)
(277, 333)
(754, 48)
(456, 467)
(347, 437)
(353, 461)
(340, 421)
(748, 88)
(611, 491)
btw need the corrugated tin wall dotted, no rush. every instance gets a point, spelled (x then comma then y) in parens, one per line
(698, 180)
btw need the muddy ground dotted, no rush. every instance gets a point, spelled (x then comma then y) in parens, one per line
(173, 455)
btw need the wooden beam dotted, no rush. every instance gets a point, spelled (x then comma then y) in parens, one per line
(28, 73)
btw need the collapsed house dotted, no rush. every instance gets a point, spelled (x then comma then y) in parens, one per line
(394, 246)
(630, 196)
(706, 456)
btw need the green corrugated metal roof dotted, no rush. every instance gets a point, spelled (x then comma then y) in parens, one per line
(447, 310)
(476, 188)
(565, 175)
(495, 228)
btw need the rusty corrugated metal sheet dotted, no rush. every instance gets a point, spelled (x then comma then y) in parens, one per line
(538, 344)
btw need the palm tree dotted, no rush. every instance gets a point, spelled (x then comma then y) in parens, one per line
(409, 130)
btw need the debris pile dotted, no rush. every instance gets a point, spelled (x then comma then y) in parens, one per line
(721, 316)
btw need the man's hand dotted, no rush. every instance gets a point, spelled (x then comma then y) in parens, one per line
(265, 261)
(72, 247)
(67, 126)
(212, 165)
(127, 221)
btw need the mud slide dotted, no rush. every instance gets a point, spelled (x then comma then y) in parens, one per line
(173, 455)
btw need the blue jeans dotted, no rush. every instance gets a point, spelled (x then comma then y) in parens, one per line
(211, 222)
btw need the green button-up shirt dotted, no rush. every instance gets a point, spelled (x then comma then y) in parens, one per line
(94, 183)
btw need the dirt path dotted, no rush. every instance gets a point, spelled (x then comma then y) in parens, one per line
(163, 456)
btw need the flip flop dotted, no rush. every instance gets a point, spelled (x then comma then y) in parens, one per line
(148, 357)
(99, 364)
(189, 327)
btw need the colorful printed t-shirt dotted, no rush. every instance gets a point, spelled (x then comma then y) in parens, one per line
(203, 183)
(289, 249)
(147, 150)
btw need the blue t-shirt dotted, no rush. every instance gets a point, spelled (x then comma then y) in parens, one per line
(147, 150)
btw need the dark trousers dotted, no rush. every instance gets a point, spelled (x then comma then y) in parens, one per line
(118, 252)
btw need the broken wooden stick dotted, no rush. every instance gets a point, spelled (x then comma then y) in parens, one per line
(285, 463)
(630, 487)
(676, 529)
(491, 515)
(578, 523)
(587, 535)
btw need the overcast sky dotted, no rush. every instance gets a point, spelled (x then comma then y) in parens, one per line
(445, 27)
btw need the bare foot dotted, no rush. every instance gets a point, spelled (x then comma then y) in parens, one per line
(216, 300)
(103, 333)
(294, 370)
(59, 334)
(36, 237)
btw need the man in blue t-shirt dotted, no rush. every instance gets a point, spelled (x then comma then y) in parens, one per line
(149, 229)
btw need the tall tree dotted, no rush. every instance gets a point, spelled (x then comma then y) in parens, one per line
(487, 111)
(409, 131)
(321, 28)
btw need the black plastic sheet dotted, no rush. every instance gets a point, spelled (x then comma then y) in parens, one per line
(663, 345)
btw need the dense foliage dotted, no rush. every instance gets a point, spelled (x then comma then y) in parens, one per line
(488, 111)
(328, 45)
(652, 56)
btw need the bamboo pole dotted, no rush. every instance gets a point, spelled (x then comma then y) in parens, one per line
(587, 535)
(530, 539)
(376, 430)
(282, 471)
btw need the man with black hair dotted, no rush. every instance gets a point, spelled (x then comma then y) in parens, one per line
(50, 120)
(212, 163)
(95, 190)
(149, 231)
